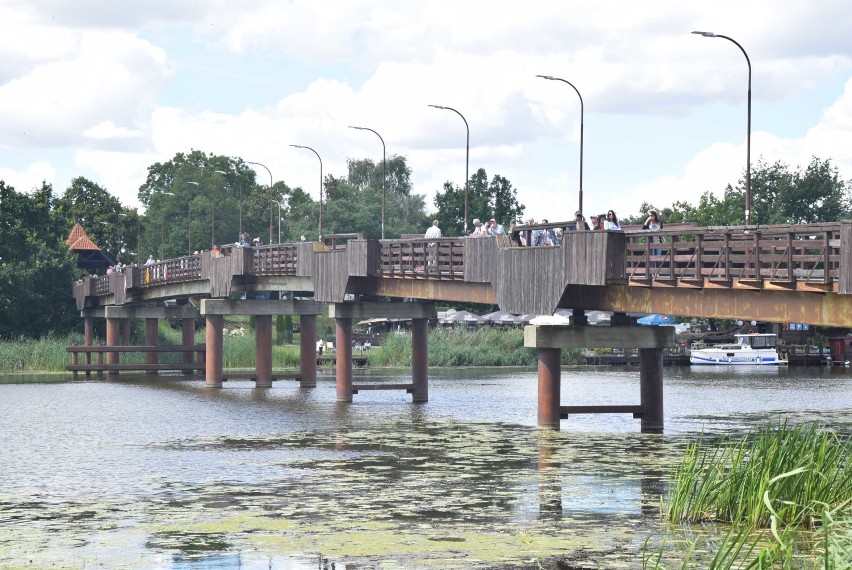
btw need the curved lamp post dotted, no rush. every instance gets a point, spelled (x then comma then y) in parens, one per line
(270, 196)
(466, 161)
(551, 78)
(748, 127)
(384, 171)
(189, 219)
(319, 234)
(280, 207)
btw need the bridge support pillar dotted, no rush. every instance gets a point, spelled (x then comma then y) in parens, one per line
(549, 387)
(213, 340)
(549, 340)
(343, 358)
(651, 389)
(151, 339)
(308, 350)
(188, 339)
(420, 360)
(113, 334)
(263, 350)
(88, 339)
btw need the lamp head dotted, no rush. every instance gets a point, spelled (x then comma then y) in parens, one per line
(359, 128)
(220, 172)
(439, 107)
(705, 34)
(297, 146)
(550, 77)
(193, 183)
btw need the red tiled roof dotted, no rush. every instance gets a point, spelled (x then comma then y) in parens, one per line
(83, 243)
(76, 233)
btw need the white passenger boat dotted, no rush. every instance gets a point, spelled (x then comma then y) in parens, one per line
(747, 349)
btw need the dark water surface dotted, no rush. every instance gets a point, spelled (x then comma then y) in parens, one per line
(169, 474)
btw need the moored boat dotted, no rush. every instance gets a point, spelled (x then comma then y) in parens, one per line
(747, 349)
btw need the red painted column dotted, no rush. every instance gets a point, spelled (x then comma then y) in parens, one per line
(151, 339)
(549, 387)
(308, 350)
(88, 331)
(213, 340)
(88, 339)
(188, 339)
(113, 332)
(263, 350)
(343, 341)
(420, 360)
(651, 389)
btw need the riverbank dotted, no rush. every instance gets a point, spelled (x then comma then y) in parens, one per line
(447, 347)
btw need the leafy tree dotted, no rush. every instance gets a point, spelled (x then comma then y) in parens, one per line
(112, 227)
(485, 201)
(36, 268)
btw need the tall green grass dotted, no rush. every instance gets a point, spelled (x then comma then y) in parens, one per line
(459, 346)
(46, 354)
(786, 492)
(779, 475)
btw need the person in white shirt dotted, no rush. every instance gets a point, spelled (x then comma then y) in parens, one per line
(478, 228)
(611, 222)
(434, 232)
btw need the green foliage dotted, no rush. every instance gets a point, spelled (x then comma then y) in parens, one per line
(496, 200)
(780, 476)
(459, 346)
(36, 268)
(46, 354)
(779, 195)
(354, 204)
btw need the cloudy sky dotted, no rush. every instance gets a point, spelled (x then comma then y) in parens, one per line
(103, 89)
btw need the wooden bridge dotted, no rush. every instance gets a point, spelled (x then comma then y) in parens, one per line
(790, 273)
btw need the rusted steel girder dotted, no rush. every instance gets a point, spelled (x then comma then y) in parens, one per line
(822, 309)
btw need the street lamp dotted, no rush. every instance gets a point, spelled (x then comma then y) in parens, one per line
(319, 234)
(748, 127)
(189, 219)
(270, 196)
(551, 78)
(213, 220)
(138, 233)
(466, 160)
(384, 171)
(280, 207)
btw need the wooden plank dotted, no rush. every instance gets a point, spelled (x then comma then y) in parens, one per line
(136, 366)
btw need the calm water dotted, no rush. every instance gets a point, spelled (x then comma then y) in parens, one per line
(170, 474)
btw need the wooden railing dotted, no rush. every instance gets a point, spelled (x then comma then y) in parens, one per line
(177, 270)
(441, 258)
(778, 254)
(278, 259)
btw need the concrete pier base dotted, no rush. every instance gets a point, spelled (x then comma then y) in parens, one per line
(213, 341)
(263, 350)
(308, 350)
(343, 358)
(420, 360)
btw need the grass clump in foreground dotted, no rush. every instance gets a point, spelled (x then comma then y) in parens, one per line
(785, 491)
(459, 346)
(46, 354)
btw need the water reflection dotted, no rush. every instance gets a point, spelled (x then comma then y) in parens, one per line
(173, 474)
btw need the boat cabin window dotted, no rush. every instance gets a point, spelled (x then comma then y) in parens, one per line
(758, 341)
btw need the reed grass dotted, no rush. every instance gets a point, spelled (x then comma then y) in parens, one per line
(778, 476)
(786, 491)
(458, 346)
(46, 354)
